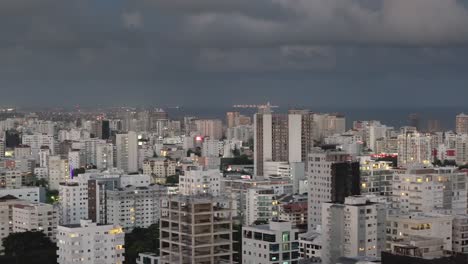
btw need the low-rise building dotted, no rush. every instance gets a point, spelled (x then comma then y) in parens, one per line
(276, 242)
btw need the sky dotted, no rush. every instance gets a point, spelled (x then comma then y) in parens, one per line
(326, 53)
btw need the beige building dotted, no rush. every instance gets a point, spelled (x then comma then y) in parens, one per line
(461, 124)
(159, 169)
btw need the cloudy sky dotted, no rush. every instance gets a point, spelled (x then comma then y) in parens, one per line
(220, 52)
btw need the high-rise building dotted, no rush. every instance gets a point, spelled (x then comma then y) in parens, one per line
(90, 243)
(461, 124)
(105, 156)
(425, 189)
(353, 229)
(332, 176)
(73, 202)
(196, 229)
(414, 147)
(132, 207)
(232, 119)
(212, 128)
(261, 205)
(414, 120)
(276, 242)
(103, 129)
(376, 177)
(36, 141)
(127, 152)
(433, 125)
(281, 137)
(59, 171)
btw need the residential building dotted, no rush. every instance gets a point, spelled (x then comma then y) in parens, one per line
(376, 177)
(212, 128)
(461, 124)
(127, 152)
(353, 229)
(88, 242)
(159, 169)
(310, 245)
(332, 175)
(20, 216)
(197, 180)
(261, 205)
(132, 207)
(276, 242)
(431, 225)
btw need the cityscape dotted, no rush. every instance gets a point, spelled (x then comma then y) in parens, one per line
(234, 132)
(133, 185)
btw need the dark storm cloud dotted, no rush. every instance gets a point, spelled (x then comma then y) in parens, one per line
(160, 46)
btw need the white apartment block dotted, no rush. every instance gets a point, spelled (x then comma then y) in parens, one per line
(212, 128)
(127, 152)
(88, 242)
(376, 177)
(353, 229)
(31, 194)
(425, 189)
(196, 180)
(23, 152)
(243, 133)
(104, 156)
(414, 148)
(460, 234)
(90, 148)
(74, 159)
(133, 207)
(35, 217)
(276, 242)
(212, 148)
(310, 245)
(59, 171)
(137, 180)
(261, 205)
(331, 175)
(11, 179)
(276, 169)
(38, 140)
(20, 216)
(461, 149)
(196, 229)
(41, 173)
(44, 155)
(420, 224)
(73, 201)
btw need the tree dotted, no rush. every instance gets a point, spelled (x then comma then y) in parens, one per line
(172, 180)
(236, 152)
(52, 196)
(29, 247)
(141, 240)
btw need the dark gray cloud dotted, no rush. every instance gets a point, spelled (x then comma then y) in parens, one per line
(89, 49)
